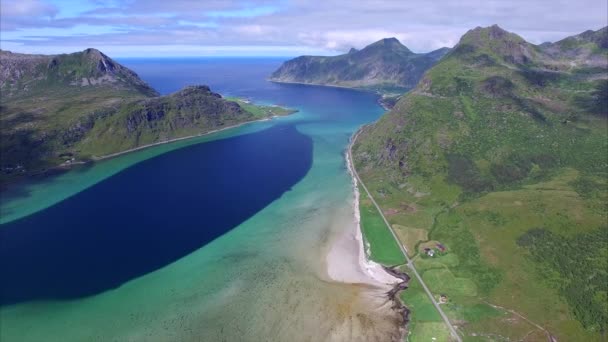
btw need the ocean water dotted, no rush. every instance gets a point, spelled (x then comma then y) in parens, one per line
(218, 238)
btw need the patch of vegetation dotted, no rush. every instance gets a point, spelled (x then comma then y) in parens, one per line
(449, 261)
(582, 264)
(443, 281)
(497, 86)
(595, 101)
(538, 77)
(383, 247)
(410, 237)
(462, 171)
(478, 312)
(425, 322)
(451, 230)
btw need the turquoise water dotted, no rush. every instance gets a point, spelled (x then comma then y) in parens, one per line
(263, 280)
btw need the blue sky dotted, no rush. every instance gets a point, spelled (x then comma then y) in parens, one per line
(141, 28)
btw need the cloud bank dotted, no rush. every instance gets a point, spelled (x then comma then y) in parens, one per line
(277, 27)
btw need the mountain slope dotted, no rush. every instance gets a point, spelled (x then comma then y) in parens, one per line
(22, 75)
(56, 110)
(585, 47)
(150, 120)
(500, 153)
(383, 65)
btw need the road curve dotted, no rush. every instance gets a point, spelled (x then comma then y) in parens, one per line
(410, 264)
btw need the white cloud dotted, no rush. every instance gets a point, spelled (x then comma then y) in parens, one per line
(343, 40)
(26, 8)
(254, 30)
(329, 25)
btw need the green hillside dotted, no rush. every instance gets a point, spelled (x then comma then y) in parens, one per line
(500, 154)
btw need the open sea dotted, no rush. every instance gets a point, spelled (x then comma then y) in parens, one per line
(216, 238)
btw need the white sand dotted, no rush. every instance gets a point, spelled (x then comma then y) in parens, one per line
(347, 259)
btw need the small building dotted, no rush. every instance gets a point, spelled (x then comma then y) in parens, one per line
(430, 252)
(441, 247)
(443, 299)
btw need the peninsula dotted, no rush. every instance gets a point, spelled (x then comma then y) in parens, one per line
(60, 110)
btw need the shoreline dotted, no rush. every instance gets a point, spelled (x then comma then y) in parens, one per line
(381, 95)
(326, 85)
(399, 305)
(403, 278)
(348, 249)
(69, 165)
(350, 244)
(116, 154)
(65, 167)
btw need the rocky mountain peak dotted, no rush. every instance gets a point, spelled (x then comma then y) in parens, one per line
(599, 37)
(493, 44)
(390, 41)
(487, 35)
(387, 45)
(89, 67)
(439, 53)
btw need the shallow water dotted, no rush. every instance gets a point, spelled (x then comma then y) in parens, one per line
(260, 279)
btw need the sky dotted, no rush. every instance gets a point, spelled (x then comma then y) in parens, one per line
(172, 28)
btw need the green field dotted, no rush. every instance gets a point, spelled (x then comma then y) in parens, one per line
(410, 237)
(425, 322)
(383, 247)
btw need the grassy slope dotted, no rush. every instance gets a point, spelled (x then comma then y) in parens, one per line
(383, 247)
(425, 322)
(200, 112)
(487, 149)
(44, 96)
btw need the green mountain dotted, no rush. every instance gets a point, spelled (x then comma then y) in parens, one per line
(58, 110)
(24, 75)
(500, 154)
(386, 65)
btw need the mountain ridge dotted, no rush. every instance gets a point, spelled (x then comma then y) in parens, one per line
(18, 72)
(385, 65)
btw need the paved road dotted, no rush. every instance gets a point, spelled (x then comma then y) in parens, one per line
(410, 264)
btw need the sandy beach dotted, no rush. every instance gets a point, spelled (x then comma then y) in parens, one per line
(348, 249)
